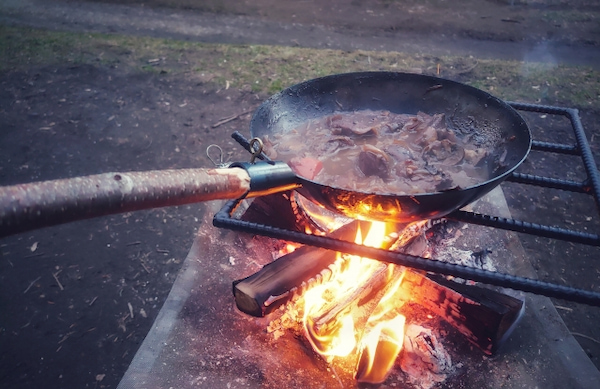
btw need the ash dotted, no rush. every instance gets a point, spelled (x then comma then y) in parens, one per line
(423, 358)
(442, 245)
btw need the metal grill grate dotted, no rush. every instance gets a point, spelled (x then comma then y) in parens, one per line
(590, 186)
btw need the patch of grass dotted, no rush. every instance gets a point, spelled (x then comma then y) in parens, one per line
(569, 16)
(23, 46)
(539, 83)
(268, 69)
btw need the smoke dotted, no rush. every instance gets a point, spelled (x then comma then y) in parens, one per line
(540, 55)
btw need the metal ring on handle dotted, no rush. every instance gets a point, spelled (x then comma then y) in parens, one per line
(219, 163)
(256, 147)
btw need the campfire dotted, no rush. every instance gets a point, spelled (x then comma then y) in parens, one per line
(364, 315)
(447, 329)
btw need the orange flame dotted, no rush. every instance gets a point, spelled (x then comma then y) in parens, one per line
(340, 339)
(382, 344)
(381, 347)
(382, 341)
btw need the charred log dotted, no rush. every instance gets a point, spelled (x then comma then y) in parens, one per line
(277, 283)
(360, 304)
(485, 317)
(277, 210)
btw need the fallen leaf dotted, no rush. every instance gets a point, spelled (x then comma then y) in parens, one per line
(100, 377)
(33, 246)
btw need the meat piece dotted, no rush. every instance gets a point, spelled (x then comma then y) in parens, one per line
(444, 150)
(447, 134)
(399, 151)
(423, 121)
(428, 136)
(411, 124)
(473, 157)
(306, 167)
(396, 123)
(343, 125)
(362, 123)
(419, 177)
(374, 162)
(438, 121)
(333, 145)
(408, 168)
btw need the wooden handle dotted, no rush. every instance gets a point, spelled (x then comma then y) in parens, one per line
(28, 206)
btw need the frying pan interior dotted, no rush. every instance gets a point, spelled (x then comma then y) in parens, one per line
(399, 93)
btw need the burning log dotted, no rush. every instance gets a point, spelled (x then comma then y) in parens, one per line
(485, 317)
(362, 294)
(362, 308)
(370, 281)
(359, 303)
(382, 346)
(277, 283)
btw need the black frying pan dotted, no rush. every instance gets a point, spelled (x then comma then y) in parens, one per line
(28, 206)
(399, 93)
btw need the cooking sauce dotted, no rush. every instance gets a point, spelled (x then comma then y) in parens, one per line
(382, 152)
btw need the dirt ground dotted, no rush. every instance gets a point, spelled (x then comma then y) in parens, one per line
(573, 22)
(554, 31)
(77, 300)
(67, 289)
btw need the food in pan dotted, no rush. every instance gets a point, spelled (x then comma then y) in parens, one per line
(383, 152)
